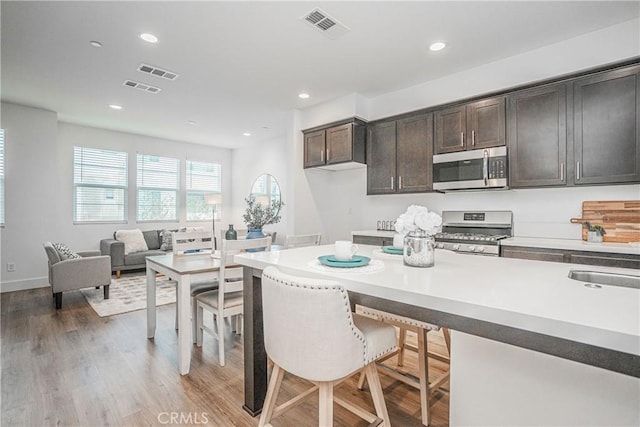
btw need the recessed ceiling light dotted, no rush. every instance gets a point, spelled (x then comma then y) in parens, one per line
(95, 43)
(149, 38)
(191, 122)
(436, 46)
(115, 106)
(303, 95)
(247, 134)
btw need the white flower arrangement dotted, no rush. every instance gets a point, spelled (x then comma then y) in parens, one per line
(418, 218)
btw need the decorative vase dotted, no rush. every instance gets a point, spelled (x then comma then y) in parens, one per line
(419, 249)
(594, 237)
(255, 233)
(231, 234)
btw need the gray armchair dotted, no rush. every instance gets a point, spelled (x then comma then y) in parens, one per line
(92, 269)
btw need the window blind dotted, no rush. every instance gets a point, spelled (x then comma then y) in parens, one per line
(100, 179)
(158, 184)
(202, 179)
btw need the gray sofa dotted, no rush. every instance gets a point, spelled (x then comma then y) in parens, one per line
(133, 261)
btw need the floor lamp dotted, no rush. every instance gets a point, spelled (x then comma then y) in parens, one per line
(213, 200)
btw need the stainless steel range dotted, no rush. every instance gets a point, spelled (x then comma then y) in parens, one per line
(474, 232)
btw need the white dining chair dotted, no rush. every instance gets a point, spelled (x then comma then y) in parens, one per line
(186, 243)
(423, 383)
(310, 332)
(300, 240)
(226, 301)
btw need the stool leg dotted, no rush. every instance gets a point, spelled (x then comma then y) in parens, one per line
(376, 393)
(361, 380)
(272, 395)
(402, 336)
(423, 362)
(447, 339)
(325, 407)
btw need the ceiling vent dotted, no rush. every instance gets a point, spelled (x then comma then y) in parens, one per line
(158, 72)
(141, 86)
(328, 25)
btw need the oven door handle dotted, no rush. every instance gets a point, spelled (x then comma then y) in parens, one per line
(485, 168)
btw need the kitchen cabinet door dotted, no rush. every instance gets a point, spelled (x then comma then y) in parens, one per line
(340, 143)
(537, 134)
(381, 158)
(476, 125)
(414, 145)
(486, 124)
(314, 145)
(451, 125)
(606, 127)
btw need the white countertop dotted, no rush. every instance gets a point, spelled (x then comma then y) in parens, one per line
(540, 242)
(572, 244)
(535, 296)
(374, 233)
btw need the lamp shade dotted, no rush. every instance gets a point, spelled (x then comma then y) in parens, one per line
(213, 198)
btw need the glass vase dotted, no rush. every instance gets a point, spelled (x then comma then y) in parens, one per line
(231, 234)
(419, 249)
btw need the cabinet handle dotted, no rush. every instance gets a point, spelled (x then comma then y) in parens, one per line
(473, 138)
(578, 171)
(400, 182)
(392, 183)
(561, 171)
(462, 138)
(321, 155)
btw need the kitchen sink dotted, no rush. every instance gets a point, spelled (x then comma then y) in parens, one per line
(609, 279)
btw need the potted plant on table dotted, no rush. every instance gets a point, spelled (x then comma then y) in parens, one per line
(257, 215)
(595, 233)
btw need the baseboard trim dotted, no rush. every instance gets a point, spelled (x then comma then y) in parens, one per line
(24, 284)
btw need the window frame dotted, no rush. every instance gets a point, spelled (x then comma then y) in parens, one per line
(125, 187)
(139, 187)
(189, 190)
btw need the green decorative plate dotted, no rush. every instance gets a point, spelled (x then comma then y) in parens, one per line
(356, 261)
(392, 250)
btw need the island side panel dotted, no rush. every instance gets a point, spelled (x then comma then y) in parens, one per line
(532, 388)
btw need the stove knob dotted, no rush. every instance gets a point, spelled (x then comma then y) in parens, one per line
(440, 245)
(472, 248)
(480, 249)
(456, 247)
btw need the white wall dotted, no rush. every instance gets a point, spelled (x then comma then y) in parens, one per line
(39, 187)
(248, 164)
(340, 197)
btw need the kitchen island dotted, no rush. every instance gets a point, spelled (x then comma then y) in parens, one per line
(525, 336)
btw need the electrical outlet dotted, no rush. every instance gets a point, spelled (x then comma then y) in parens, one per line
(11, 266)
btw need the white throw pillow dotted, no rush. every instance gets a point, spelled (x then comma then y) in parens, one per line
(133, 240)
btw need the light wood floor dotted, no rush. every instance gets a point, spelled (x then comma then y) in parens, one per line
(72, 368)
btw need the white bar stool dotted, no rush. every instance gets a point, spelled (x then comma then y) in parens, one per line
(422, 383)
(310, 332)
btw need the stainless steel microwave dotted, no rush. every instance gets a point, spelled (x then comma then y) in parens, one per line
(471, 170)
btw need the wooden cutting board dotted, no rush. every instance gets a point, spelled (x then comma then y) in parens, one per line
(619, 218)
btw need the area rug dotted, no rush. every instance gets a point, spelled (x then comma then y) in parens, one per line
(129, 293)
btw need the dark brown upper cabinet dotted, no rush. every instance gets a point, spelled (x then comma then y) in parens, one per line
(335, 146)
(537, 135)
(606, 127)
(400, 155)
(479, 124)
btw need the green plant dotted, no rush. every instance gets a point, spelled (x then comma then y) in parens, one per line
(258, 215)
(597, 228)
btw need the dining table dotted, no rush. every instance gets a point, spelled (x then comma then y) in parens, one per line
(511, 317)
(183, 269)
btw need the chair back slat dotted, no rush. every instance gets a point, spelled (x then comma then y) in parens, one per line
(191, 241)
(300, 240)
